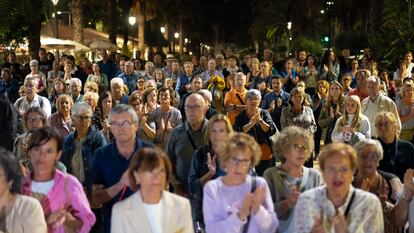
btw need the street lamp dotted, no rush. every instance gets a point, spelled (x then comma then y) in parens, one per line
(55, 2)
(289, 27)
(69, 15)
(132, 20)
(329, 9)
(176, 35)
(162, 29)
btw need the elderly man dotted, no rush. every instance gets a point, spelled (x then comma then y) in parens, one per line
(195, 86)
(75, 89)
(149, 71)
(376, 103)
(117, 90)
(235, 99)
(185, 139)
(211, 71)
(110, 165)
(32, 99)
(183, 83)
(129, 77)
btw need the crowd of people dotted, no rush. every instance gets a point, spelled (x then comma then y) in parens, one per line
(216, 143)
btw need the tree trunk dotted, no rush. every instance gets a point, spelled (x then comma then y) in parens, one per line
(112, 20)
(35, 24)
(77, 16)
(141, 25)
(374, 20)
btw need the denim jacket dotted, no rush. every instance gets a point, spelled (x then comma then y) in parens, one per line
(93, 141)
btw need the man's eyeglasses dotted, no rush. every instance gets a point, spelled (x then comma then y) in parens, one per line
(79, 117)
(192, 107)
(121, 124)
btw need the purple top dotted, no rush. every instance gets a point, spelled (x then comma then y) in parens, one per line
(57, 198)
(221, 204)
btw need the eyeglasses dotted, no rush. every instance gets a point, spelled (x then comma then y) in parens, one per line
(83, 117)
(192, 107)
(235, 161)
(341, 171)
(120, 124)
(369, 157)
(34, 119)
(299, 148)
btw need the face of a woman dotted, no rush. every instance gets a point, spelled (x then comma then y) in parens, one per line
(385, 129)
(253, 102)
(65, 105)
(351, 106)
(297, 152)
(91, 101)
(289, 65)
(30, 89)
(165, 98)
(368, 160)
(334, 90)
(238, 165)
(95, 68)
(107, 103)
(34, 121)
(153, 181)
(297, 99)
(152, 97)
(408, 93)
(264, 67)
(44, 157)
(34, 69)
(337, 174)
(59, 86)
(321, 88)
(82, 120)
(311, 60)
(218, 132)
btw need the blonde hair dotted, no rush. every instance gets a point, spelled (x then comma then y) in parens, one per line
(217, 118)
(287, 137)
(389, 117)
(239, 142)
(337, 148)
(405, 87)
(62, 98)
(356, 122)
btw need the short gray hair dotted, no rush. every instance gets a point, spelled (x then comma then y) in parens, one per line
(149, 63)
(253, 93)
(374, 79)
(206, 95)
(129, 63)
(117, 80)
(121, 108)
(81, 107)
(34, 63)
(359, 147)
(78, 81)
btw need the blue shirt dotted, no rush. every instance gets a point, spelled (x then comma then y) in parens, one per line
(268, 98)
(130, 80)
(109, 69)
(108, 166)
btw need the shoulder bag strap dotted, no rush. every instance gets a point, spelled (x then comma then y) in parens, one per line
(191, 140)
(348, 207)
(253, 189)
(240, 99)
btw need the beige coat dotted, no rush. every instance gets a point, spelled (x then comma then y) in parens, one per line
(26, 216)
(129, 216)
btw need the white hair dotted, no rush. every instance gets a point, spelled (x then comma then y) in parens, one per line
(117, 80)
(76, 80)
(206, 95)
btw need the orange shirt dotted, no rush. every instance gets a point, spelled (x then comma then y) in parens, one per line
(231, 98)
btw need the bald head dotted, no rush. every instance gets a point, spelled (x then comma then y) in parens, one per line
(195, 108)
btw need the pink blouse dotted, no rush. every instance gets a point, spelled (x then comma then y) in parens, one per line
(61, 195)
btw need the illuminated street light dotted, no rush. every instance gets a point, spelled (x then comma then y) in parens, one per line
(322, 12)
(176, 35)
(132, 20)
(162, 29)
(289, 25)
(186, 40)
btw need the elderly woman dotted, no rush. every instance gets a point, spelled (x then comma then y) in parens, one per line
(64, 202)
(353, 126)
(386, 186)
(405, 109)
(61, 120)
(204, 163)
(332, 110)
(397, 153)
(238, 202)
(259, 124)
(166, 117)
(337, 206)
(157, 210)
(99, 78)
(78, 151)
(33, 118)
(291, 178)
(298, 113)
(39, 77)
(19, 214)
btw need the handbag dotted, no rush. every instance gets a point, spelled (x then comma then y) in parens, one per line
(246, 226)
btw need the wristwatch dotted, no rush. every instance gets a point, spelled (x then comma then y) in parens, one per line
(234, 107)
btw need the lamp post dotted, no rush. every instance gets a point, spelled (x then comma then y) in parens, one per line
(329, 9)
(69, 16)
(289, 27)
(55, 2)
(176, 36)
(132, 20)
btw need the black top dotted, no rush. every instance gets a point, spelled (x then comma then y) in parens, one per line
(398, 157)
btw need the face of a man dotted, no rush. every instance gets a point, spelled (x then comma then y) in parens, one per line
(6, 75)
(42, 55)
(123, 128)
(276, 85)
(149, 68)
(196, 84)
(188, 68)
(373, 89)
(129, 68)
(195, 108)
(175, 66)
(212, 65)
(302, 56)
